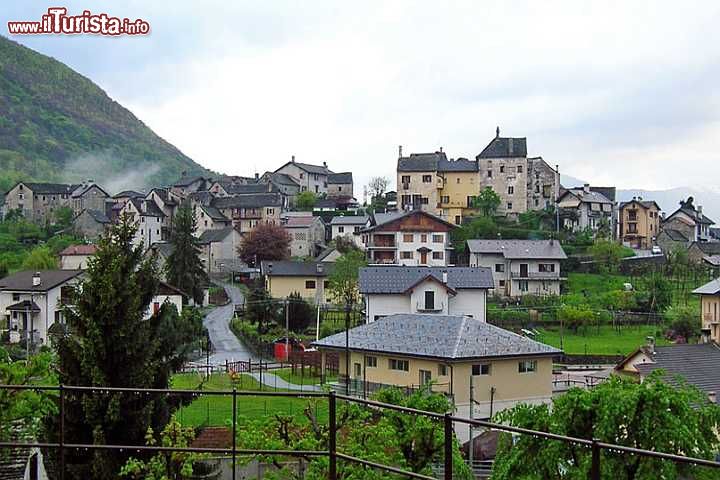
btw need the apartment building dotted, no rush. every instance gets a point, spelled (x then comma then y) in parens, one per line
(410, 238)
(639, 223)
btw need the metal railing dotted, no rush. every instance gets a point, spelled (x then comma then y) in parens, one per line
(447, 419)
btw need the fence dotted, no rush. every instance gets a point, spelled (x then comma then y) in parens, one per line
(447, 420)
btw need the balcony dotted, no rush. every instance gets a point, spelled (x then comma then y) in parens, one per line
(382, 242)
(537, 276)
(709, 318)
(421, 307)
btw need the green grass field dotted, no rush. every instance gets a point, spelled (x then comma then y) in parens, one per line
(217, 410)
(606, 341)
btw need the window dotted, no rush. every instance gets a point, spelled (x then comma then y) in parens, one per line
(326, 284)
(457, 219)
(271, 211)
(423, 238)
(445, 199)
(356, 229)
(536, 202)
(502, 283)
(511, 190)
(341, 229)
(406, 179)
(425, 377)
(437, 239)
(408, 237)
(523, 285)
(429, 300)
(499, 267)
(527, 366)
(16, 297)
(302, 175)
(424, 200)
(437, 255)
(519, 169)
(502, 168)
(310, 284)
(546, 267)
(509, 205)
(358, 370)
(394, 364)
(427, 178)
(458, 180)
(371, 362)
(481, 369)
(442, 370)
(489, 173)
(340, 188)
(406, 255)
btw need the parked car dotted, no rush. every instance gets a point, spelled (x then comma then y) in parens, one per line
(655, 250)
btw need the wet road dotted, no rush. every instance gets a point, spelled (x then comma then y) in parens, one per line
(226, 346)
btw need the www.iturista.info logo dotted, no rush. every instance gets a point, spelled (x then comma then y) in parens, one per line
(57, 21)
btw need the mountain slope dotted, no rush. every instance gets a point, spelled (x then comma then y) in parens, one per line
(56, 125)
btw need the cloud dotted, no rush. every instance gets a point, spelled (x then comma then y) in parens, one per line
(615, 92)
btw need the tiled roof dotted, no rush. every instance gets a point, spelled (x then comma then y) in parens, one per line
(396, 279)
(163, 248)
(319, 169)
(128, 193)
(214, 214)
(459, 165)
(282, 179)
(49, 279)
(215, 236)
(343, 177)
(300, 221)
(251, 188)
(379, 219)
(98, 216)
(588, 197)
(438, 336)
(421, 162)
(79, 250)
(710, 288)
(708, 248)
(349, 220)
(675, 235)
(147, 207)
(259, 200)
(698, 364)
(186, 181)
(289, 268)
(502, 147)
(647, 204)
(512, 249)
(213, 437)
(25, 305)
(51, 188)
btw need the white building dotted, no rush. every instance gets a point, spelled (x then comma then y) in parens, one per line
(588, 208)
(149, 219)
(165, 293)
(520, 267)
(30, 302)
(311, 178)
(75, 257)
(427, 290)
(412, 238)
(220, 249)
(349, 227)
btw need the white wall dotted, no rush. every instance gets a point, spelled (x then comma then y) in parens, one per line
(418, 243)
(348, 233)
(74, 262)
(470, 302)
(159, 300)
(41, 322)
(384, 305)
(466, 302)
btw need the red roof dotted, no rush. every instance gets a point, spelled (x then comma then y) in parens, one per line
(304, 221)
(79, 250)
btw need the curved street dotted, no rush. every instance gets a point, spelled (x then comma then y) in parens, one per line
(226, 346)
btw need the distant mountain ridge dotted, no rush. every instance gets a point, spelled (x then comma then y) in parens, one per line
(58, 126)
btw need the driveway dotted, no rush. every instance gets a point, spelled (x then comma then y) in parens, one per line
(226, 346)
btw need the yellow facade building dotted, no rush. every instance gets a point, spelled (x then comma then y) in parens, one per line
(309, 279)
(639, 223)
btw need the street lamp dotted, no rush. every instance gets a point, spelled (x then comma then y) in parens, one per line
(347, 349)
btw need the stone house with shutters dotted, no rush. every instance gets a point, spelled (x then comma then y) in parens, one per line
(247, 211)
(410, 238)
(91, 223)
(340, 185)
(520, 267)
(151, 222)
(503, 166)
(91, 196)
(311, 178)
(209, 218)
(412, 350)
(690, 221)
(588, 208)
(307, 234)
(427, 290)
(38, 201)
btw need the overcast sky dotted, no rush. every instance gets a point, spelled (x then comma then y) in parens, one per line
(620, 93)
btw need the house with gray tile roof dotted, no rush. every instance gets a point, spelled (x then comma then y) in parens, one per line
(388, 290)
(349, 226)
(30, 302)
(311, 178)
(588, 208)
(340, 185)
(447, 351)
(696, 364)
(520, 267)
(218, 248)
(308, 279)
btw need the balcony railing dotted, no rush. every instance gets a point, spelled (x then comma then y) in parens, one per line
(537, 275)
(382, 243)
(422, 307)
(709, 317)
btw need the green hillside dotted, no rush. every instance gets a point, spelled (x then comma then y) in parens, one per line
(56, 125)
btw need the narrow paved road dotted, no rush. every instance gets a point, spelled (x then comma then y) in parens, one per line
(272, 380)
(225, 344)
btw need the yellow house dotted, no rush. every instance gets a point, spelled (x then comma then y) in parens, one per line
(309, 279)
(639, 223)
(450, 353)
(710, 309)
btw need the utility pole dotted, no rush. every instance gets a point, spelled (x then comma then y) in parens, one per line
(347, 349)
(471, 453)
(287, 329)
(557, 205)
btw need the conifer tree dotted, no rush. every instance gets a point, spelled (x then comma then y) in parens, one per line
(184, 267)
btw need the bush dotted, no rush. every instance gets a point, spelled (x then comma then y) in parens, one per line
(682, 320)
(300, 313)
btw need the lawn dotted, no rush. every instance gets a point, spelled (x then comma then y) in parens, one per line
(605, 341)
(217, 410)
(299, 378)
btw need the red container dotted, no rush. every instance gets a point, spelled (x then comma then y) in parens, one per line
(281, 351)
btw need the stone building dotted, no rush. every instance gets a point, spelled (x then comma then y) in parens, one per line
(312, 178)
(690, 221)
(503, 166)
(340, 185)
(543, 184)
(38, 201)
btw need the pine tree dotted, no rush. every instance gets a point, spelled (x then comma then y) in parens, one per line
(110, 344)
(184, 267)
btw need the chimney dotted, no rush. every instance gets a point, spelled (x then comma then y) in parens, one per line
(320, 268)
(37, 281)
(444, 277)
(292, 159)
(257, 176)
(699, 210)
(586, 188)
(497, 132)
(325, 164)
(650, 344)
(712, 397)
(639, 199)
(399, 151)
(440, 149)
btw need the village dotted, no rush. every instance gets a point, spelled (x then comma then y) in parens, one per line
(483, 280)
